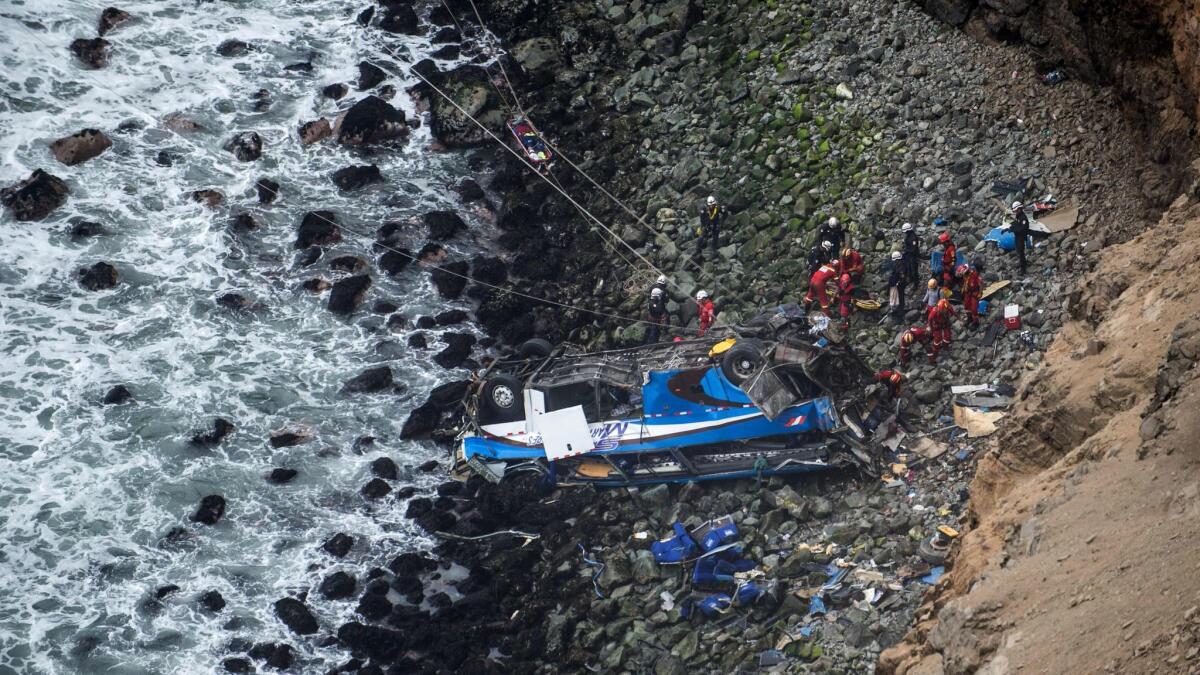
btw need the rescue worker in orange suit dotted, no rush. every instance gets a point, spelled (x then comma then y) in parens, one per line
(892, 380)
(938, 322)
(707, 311)
(817, 285)
(972, 290)
(852, 264)
(910, 338)
(845, 298)
(949, 259)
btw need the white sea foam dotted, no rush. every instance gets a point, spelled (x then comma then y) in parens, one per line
(89, 490)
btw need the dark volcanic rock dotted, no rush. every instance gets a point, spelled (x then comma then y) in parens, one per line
(280, 476)
(212, 601)
(98, 277)
(369, 75)
(93, 53)
(276, 655)
(371, 120)
(296, 616)
(117, 395)
(316, 130)
(86, 228)
(268, 190)
(376, 488)
(338, 545)
(451, 317)
(355, 177)
(348, 294)
(348, 263)
(288, 438)
(338, 585)
(335, 91)
(245, 222)
(395, 261)
(382, 644)
(385, 467)
(80, 147)
(369, 381)
(221, 428)
(470, 88)
(421, 421)
(233, 48)
(418, 341)
(210, 510)
(246, 146)
(35, 197)
(458, 349)
(443, 224)
(374, 606)
(401, 19)
(110, 18)
(234, 301)
(209, 198)
(364, 17)
(450, 278)
(318, 228)
(237, 665)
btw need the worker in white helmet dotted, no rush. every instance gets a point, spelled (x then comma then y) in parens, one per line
(711, 219)
(707, 311)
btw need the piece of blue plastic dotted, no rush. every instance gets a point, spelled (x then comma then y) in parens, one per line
(1006, 240)
(816, 605)
(718, 536)
(747, 593)
(933, 576)
(677, 548)
(935, 262)
(715, 604)
(806, 631)
(983, 306)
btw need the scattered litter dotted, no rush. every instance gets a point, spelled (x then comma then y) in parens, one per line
(977, 423)
(1012, 317)
(1061, 220)
(963, 454)
(668, 601)
(595, 577)
(843, 91)
(933, 576)
(966, 388)
(641, 536)
(1053, 77)
(929, 448)
(770, 657)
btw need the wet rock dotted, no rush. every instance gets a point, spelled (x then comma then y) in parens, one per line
(262, 100)
(537, 56)
(180, 124)
(385, 467)
(338, 585)
(110, 18)
(395, 261)
(289, 437)
(316, 130)
(335, 91)
(432, 253)
(210, 511)
(212, 601)
(371, 120)
(418, 341)
(98, 277)
(348, 294)
(450, 278)
(383, 644)
(364, 17)
(281, 476)
(276, 655)
(92, 53)
(164, 158)
(301, 67)
(470, 88)
(209, 198)
(246, 146)
(400, 19)
(221, 428)
(443, 224)
(318, 228)
(451, 317)
(296, 616)
(348, 263)
(232, 47)
(384, 307)
(237, 665)
(80, 147)
(163, 591)
(373, 606)
(316, 285)
(369, 75)
(268, 190)
(376, 488)
(117, 395)
(428, 466)
(369, 381)
(418, 507)
(310, 256)
(35, 197)
(355, 177)
(234, 301)
(86, 228)
(458, 349)
(426, 322)
(447, 53)
(338, 545)
(436, 521)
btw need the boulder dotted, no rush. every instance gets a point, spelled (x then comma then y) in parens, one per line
(350, 264)
(318, 228)
(335, 91)
(539, 56)
(316, 130)
(92, 53)
(451, 317)
(209, 198)
(110, 18)
(355, 177)
(369, 75)
(450, 278)
(385, 467)
(180, 124)
(443, 224)
(381, 644)
(210, 510)
(296, 616)
(489, 269)
(117, 395)
(276, 655)
(369, 381)
(421, 421)
(400, 19)
(212, 601)
(338, 545)
(281, 476)
(98, 277)
(371, 120)
(469, 87)
(287, 438)
(86, 228)
(348, 294)
(233, 47)
(338, 586)
(246, 146)
(373, 606)
(268, 190)
(364, 17)
(237, 665)
(35, 197)
(376, 488)
(80, 147)
(221, 428)
(395, 260)
(458, 349)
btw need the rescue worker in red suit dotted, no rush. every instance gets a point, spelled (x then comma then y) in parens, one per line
(707, 311)
(845, 298)
(938, 322)
(852, 264)
(949, 259)
(891, 379)
(909, 339)
(817, 285)
(972, 290)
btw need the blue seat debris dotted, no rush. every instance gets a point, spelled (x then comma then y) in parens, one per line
(717, 561)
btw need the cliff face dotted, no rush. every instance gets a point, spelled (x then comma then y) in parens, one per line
(1148, 51)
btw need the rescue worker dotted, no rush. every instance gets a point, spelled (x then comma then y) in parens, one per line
(897, 280)
(817, 286)
(845, 298)
(949, 259)
(660, 283)
(656, 313)
(819, 255)
(831, 232)
(1020, 230)
(852, 263)
(972, 290)
(909, 339)
(932, 295)
(711, 218)
(938, 322)
(707, 311)
(912, 254)
(891, 380)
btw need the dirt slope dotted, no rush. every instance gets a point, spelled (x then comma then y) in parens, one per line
(1083, 556)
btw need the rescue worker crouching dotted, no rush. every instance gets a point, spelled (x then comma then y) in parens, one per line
(819, 290)
(852, 264)
(845, 297)
(908, 341)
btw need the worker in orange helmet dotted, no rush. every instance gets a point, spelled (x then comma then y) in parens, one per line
(908, 340)
(972, 291)
(892, 380)
(938, 322)
(949, 258)
(852, 264)
(845, 298)
(818, 286)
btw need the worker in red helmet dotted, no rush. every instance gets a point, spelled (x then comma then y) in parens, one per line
(819, 289)
(949, 259)
(845, 300)
(972, 291)
(892, 380)
(852, 264)
(938, 322)
(909, 339)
